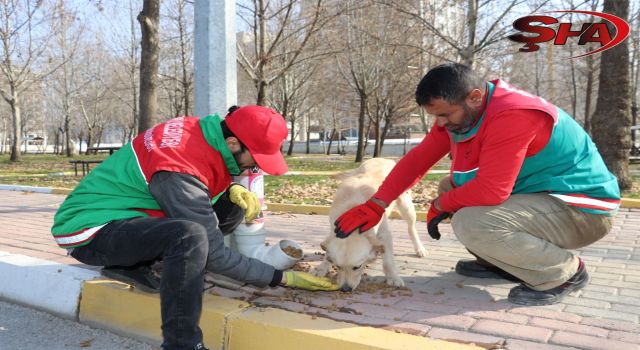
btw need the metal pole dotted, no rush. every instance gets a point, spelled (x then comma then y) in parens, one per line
(215, 56)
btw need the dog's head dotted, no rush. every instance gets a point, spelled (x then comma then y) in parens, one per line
(351, 255)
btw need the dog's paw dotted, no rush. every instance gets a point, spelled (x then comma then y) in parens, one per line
(319, 271)
(421, 252)
(395, 281)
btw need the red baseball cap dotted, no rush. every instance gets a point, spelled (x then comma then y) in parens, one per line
(262, 130)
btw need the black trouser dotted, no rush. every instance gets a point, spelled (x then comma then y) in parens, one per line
(183, 247)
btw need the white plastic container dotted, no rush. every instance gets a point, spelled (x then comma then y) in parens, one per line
(254, 182)
(249, 240)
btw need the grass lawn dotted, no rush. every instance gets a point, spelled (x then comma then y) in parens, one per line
(56, 171)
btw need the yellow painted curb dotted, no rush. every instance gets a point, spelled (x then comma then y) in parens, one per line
(299, 208)
(112, 305)
(64, 191)
(284, 330)
(235, 324)
(630, 203)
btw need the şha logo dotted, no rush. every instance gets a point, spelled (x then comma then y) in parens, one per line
(590, 32)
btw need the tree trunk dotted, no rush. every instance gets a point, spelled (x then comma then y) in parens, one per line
(183, 59)
(308, 150)
(56, 137)
(423, 120)
(574, 87)
(261, 83)
(133, 86)
(293, 135)
(587, 102)
(385, 131)
(378, 146)
(263, 90)
(611, 120)
(149, 19)
(468, 53)
(89, 141)
(17, 126)
(80, 137)
(361, 120)
(3, 137)
(99, 135)
(333, 133)
(67, 135)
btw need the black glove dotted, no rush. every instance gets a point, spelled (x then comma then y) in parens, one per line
(432, 224)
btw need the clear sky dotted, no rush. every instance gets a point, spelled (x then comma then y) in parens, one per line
(112, 18)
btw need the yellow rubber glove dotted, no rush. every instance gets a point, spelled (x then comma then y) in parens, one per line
(246, 200)
(303, 280)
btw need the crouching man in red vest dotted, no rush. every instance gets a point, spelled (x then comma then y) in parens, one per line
(152, 200)
(526, 184)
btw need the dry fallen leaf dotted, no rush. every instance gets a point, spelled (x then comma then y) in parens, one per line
(87, 343)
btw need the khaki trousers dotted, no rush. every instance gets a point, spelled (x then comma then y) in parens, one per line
(528, 235)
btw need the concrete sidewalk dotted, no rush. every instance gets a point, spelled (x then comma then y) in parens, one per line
(438, 303)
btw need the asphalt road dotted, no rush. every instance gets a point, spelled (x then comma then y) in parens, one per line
(22, 328)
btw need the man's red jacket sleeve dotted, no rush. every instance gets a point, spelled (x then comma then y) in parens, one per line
(412, 167)
(502, 153)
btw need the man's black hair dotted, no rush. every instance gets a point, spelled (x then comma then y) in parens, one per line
(226, 132)
(450, 81)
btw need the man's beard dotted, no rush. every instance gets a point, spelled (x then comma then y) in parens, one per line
(467, 122)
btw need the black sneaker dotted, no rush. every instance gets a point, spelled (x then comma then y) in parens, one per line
(200, 346)
(524, 295)
(471, 268)
(141, 277)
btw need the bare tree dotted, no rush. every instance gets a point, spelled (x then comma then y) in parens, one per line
(176, 64)
(278, 27)
(611, 120)
(363, 59)
(291, 97)
(24, 43)
(123, 82)
(95, 99)
(67, 83)
(393, 102)
(394, 95)
(149, 19)
(635, 74)
(474, 38)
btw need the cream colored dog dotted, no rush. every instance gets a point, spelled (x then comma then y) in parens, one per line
(352, 254)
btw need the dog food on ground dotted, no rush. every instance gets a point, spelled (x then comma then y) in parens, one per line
(293, 252)
(301, 266)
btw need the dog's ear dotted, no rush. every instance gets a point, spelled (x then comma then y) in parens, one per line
(323, 245)
(378, 247)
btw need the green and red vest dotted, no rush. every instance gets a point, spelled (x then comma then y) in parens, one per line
(569, 167)
(118, 188)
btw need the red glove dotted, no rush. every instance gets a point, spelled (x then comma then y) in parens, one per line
(434, 216)
(363, 217)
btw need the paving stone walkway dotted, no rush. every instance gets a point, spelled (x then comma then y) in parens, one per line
(437, 302)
